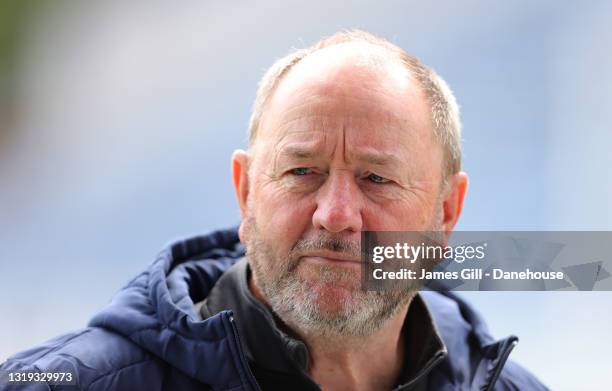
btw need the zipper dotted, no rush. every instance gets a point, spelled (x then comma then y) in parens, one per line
(502, 361)
(243, 360)
(441, 355)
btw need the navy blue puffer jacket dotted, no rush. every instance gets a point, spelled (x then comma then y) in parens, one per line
(150, 338)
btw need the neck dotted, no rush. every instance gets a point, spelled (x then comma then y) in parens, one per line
(372, 362)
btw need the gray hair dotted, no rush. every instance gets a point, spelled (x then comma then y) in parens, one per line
(444, 108)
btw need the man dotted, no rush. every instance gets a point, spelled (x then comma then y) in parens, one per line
(351, 134)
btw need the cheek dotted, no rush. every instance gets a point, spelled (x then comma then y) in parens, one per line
(282, 217)
(398, 216)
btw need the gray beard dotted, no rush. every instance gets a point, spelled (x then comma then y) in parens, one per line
(296, 303)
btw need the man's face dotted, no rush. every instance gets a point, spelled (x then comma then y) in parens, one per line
(346, 144)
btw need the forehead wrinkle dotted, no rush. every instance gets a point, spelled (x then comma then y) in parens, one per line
(359, 123)
(331, 98)
(323, 105)
(316, 146)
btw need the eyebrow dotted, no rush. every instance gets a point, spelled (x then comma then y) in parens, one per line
(377, 158)
(299, 152)
(374, 157)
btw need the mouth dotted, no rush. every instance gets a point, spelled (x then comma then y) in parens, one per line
(331, 257)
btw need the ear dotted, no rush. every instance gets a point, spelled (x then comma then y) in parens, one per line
(453, 200)
(240, 175)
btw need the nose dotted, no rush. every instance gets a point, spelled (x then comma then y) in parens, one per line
(339, 204)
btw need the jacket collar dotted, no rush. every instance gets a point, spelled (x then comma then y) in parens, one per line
(155, 311)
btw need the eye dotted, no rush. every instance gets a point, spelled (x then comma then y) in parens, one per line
(301, 171)
(377, 179)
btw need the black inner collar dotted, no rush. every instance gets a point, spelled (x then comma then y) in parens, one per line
(273, 354)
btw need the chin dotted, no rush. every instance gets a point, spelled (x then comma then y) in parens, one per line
(331, 298)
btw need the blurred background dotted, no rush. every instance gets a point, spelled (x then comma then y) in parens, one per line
(117, 121)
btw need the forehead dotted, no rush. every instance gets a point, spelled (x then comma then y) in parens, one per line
(354, 87)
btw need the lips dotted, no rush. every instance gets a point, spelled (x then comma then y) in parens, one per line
(333, 257)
